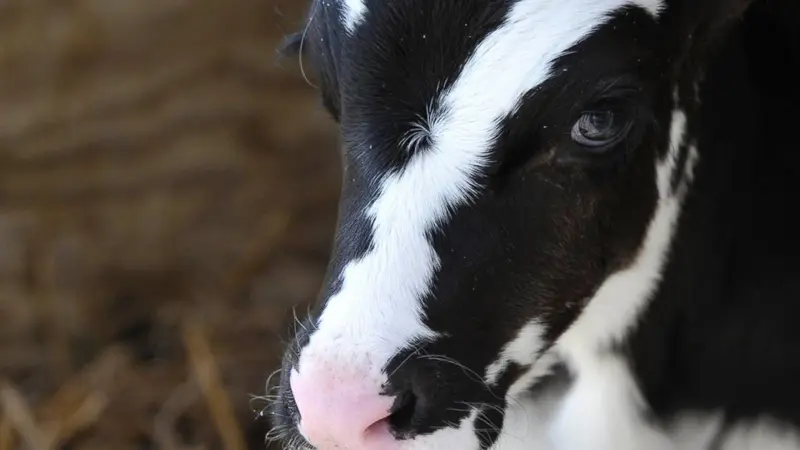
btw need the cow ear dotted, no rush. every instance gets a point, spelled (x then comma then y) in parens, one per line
(291, 46)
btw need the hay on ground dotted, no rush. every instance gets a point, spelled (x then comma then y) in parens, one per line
(167, 197)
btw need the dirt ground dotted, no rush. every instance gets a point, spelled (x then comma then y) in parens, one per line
(167, 196)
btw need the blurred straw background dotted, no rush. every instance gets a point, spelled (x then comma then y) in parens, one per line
(167, 196)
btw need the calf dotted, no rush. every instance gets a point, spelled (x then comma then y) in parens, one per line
(564, 224)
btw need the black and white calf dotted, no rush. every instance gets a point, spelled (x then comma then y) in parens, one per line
(565, 224)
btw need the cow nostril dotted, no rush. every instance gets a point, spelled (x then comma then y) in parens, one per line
(402, 412)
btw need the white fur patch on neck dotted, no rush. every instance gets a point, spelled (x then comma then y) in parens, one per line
(604, 410)
(528, 422)
(763, 434)
(703, 431)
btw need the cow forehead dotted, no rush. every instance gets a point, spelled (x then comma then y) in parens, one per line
(378, 307)
(354, 11)
(401, 62)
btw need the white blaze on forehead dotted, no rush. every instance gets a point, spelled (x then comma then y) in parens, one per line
(379, 309)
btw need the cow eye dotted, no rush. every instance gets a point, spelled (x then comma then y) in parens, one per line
(599, 130)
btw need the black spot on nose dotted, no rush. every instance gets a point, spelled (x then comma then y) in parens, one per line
(438, 385)
(403, 411)
(431, 394)
(418, 408)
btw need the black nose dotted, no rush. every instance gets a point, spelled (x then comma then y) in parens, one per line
(430, 395)
(407, 411)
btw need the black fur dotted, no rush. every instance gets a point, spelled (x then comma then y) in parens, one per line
(722, 332)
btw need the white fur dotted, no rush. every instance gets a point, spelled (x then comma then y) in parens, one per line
(694, 430)
(529, 421)
(353, 13)
(764, 434)
(521, 350)
(698, 431)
